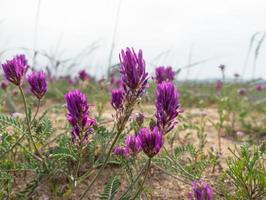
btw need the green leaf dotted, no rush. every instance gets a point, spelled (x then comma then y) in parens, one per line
(111, 188)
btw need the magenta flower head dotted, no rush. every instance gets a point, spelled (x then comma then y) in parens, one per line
(164, 74)
(132, 145)
(133, 72)
(121, 151)
(150, 142)
(259, 87)
(242, 91)
(78, 108)
(38, 83)
(4, 85)
(83, 75)
(78, 116)
(167, 106)
(117, 98)
(219, 85)
(16, 69)
(201, 191)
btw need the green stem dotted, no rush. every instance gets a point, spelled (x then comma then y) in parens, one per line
(38, 107)
(144, 178)
(102, 167)
(29, 126)
(134, 182)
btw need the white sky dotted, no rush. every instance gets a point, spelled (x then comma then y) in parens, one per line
(210, 28)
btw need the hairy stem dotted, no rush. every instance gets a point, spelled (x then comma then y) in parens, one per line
(29, 126)
(143, 181)
(37, 110)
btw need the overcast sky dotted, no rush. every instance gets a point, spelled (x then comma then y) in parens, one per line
(218, 29)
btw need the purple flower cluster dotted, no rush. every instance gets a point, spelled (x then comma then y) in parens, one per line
(147, 140)
(38, 83)
(219, 85)
(164, 74)
(15, 69)
(167, 106)
(133, 72)
(132, 145)
(242, 91)
(4, 85)
(117, 98)
(83, 75)
(259, 87)
(78, 116)
(121, 151)
(201, 191)
(150, 141)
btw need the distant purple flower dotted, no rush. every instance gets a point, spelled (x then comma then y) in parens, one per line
(121, 151)
(164, 74)
(16, 69)
(115, 81)
(222, 67)
(4, 85)
(132, 145)
(167, 106)
(236, 75)
(242, 91)
(219, 85)
(259, 87)
(201, 191)
(150, 142)
(78, 116)
(139, 118)
(38, 83)
(132, 69)
(83, 75)
(117, 98)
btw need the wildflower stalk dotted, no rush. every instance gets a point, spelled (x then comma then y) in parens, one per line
(147, 165)
(29, 126)
(37, 110)
(120, 127)
(143, 181)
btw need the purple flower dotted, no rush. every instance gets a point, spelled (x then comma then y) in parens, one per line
(201, 191)
(164, 74)
(219, 85)
(132, 145)
(132, 69)
(16, 69)
(78, 116)
(117, 98)
(242, 91)
(83, 75)
(38, 83)
(150, 141)
(121, 151)
(4, 85)
(167, 106)
(259, 87)
(78, 107)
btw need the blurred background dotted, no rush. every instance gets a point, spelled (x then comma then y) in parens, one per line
(195, 36)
